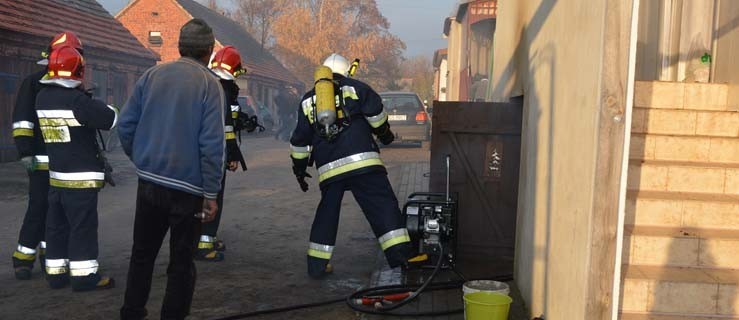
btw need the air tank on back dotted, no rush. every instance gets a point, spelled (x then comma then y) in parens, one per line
(325, 97)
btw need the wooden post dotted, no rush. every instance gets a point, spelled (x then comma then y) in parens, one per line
(611, 135)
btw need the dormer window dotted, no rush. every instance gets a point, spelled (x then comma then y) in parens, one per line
(155, 38)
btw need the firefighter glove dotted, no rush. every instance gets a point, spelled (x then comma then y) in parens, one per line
(301, 175)
(384, 134)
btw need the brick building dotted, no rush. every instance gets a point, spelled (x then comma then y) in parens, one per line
(115, 59)
(156, 23)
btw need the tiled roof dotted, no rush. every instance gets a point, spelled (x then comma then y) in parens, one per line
(89, 6)
(258, 61)
(92, 24)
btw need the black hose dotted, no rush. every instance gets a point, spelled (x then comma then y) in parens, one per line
(282, 309)
(381, 291)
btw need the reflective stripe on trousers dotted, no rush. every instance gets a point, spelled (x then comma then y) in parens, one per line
(321, 251)
(83, 268)
(56, 266)
(24, 253)
(206, 242)
(394, 237)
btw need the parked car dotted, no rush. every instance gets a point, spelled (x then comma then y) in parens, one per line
(407, 116)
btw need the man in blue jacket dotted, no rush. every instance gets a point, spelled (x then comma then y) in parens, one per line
(172, 129)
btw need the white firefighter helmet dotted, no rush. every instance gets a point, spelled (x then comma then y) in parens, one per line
(338, 64)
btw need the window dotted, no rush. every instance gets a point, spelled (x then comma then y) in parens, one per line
(155, 38)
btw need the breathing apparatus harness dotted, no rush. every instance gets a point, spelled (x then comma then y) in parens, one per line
(328, 110)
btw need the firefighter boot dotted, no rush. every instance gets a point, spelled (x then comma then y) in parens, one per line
(23, 264)
(319, 268)
(208, 251)
(92, 282)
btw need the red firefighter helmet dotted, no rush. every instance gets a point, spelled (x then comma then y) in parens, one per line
(226, 63)
(66, 38)
(66, 63)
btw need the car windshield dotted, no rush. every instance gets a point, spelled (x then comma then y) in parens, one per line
(401, 103)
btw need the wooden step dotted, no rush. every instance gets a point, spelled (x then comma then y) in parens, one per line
(667, 209)
(686, 247)
(680, 292)
(685, 122)
(658, 288)
(678, 95)
(675, 176)
(684, 148)
(681, 274)
(672, 316)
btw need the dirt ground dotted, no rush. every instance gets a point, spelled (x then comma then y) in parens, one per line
(265, 226)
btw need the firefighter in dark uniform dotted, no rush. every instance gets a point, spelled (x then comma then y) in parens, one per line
(68, 118)
(348, 158)
(32, 151)
(226, 64)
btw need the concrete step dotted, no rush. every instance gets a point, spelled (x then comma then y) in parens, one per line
(691, 177)
(672, 316)
(685, 247)
(668, 209)
(685, 122)
(678, 95)
(679, 291)
(684, 148)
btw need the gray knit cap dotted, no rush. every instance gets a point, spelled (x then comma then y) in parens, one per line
(196, 34)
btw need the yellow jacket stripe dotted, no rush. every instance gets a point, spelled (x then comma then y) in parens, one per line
(300, 152)
(23, 129)
(378, 120)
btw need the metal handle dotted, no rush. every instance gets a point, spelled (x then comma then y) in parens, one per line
(448, 159)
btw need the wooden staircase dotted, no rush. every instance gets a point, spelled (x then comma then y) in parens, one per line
(681, 239)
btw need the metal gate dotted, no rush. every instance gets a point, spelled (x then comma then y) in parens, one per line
(484, 141)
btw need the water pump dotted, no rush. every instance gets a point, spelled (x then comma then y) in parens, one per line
(431, 219)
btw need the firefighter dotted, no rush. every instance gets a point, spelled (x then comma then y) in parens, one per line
(226, 64)
(347, 158)
(31, 149)
(68, 118)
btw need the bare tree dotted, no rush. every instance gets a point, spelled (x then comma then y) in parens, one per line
(258, 17)
(420, 69)
(307, 31)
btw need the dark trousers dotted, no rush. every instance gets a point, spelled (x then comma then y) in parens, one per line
(159, 209)
(375, 196)
(211, 228)
(72, 233)
(34, 223)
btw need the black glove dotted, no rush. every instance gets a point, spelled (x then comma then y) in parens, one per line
(109, 174)
(384, 133)
(301, 181)
(301, 174)
(387, 138)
